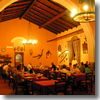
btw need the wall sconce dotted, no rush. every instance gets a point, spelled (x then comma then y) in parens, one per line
(85, 48)
(59, 49)
(59, 52)
(66, 51)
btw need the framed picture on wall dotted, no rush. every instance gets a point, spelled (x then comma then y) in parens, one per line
(85, 48)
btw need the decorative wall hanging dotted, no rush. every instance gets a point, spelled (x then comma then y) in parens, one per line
(31, 51)
(40, 55)
(63, 56)
(59, 49)
(14, 48)
(48, 53)
(85, 48)
(18, 48)
(3, 49)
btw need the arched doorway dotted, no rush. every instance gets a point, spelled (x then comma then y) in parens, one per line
(19, 56)
(74, 50)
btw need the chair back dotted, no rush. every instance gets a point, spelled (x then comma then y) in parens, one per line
(70, 85)
(54, 76)
(60, 87)
(63, 76)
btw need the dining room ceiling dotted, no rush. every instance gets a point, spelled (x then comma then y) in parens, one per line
(44, 13)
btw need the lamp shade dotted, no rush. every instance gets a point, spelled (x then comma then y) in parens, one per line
(86, 11)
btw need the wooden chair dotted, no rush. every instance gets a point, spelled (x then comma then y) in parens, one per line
(19, 86)
(87, 83)
(60, 87)
(47, 74)
(10, 77)
(30, 87)
(63, 76)
(53, 76)
(70, 85)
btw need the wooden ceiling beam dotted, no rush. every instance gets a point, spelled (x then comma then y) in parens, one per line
(39, 14)
(68, 20)
(34, 15)
(46, 8)
(33, 2)
(51, 5)
(64, 23)
(51, 30)
(67, 35)
(11, 14)
(19, 3)
(61, 24)
(33, 18)
(33, 21)
(1, 14)
(54, 28)
(57, 26)
(6, 19)
(53, 19)
(44, 12)
(15, 8)
(14, 11)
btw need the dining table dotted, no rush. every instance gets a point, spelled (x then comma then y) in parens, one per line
(32, 78)
(79, 77)
(43, 86)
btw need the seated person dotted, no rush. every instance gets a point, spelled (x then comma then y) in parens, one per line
(29, 67)
(20, 81)
(5, 70)
(19, 66)
(41, 66)
(64, 70)
(24, 67)
(87, 69)
(75, 70)
(53, 66)
(81, 67)
(58, 68)
(70, 66)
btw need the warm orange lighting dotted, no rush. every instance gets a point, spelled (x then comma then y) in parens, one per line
(86, 11)
(30, 41)
(59, 52)
(85, 7)
(66, 51)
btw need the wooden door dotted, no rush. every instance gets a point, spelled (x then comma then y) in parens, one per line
(19, 58)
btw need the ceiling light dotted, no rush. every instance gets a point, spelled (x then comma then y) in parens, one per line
(86, 11)
(30, 41)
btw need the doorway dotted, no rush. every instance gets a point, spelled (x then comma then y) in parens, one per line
(19, 58)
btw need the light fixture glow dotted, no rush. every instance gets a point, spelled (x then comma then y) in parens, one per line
(85, 7)
(86, 12)
(66, 51)
(72, 14)
(59, 52)
(74, 11)
(29, 42)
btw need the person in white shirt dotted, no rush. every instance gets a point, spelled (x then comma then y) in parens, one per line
(29, 67)
(41, 66)
(64, 70)
(75, 70)
(6, 69)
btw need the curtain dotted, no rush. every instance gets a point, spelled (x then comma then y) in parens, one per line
(76, 47)
(70, 53)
